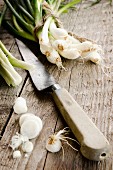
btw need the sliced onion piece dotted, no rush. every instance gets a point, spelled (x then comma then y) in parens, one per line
(20, 105)
(16, 154)
(30, 116)
(30, 128)
(24, 116)
(27, 147)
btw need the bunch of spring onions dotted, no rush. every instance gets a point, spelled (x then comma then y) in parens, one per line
(7, 64)
(38, 20)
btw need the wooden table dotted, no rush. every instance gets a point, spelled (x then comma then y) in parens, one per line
(86, 82)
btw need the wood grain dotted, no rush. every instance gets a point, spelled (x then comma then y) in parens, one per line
(90, 87)
(86, 82)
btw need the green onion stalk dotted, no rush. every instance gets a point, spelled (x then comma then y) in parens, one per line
(7, 64)
(8, 61)
(38, 20)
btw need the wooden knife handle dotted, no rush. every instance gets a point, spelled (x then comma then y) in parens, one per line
(94, 145)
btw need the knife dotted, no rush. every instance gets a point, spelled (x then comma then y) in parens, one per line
(93, 144)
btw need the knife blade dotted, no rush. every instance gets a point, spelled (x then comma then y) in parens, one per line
(93, 144)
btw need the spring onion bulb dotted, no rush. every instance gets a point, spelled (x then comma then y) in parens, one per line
(93, 56)
(84, 46)
(20, 105)
(66, 50)
(54, 57)
(58, 33)
(54, 142)
(42, 22)
(96, 58)
(51, 54)
(46, 47)
(70, 53)
(60, 45)
(72, 40)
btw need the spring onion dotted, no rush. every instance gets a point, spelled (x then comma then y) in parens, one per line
(38, 20)
(7, 71)
(54, 142)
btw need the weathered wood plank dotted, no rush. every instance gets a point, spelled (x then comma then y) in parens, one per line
(90, 87)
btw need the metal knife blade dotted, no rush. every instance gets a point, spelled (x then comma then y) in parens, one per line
(94, 145)
(40, 77)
